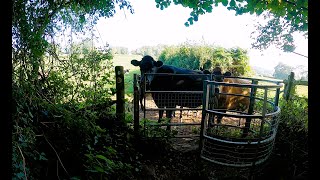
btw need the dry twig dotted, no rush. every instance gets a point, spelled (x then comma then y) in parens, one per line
(57, 156)
(24, 163)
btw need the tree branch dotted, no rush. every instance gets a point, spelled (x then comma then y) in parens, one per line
(24, 163)
(300, 54)
(57, 156)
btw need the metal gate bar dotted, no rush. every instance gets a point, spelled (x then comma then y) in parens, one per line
(220, 143)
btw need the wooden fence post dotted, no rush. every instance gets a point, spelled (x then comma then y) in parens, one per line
(289, 87)
(135, 106)
(120, 112)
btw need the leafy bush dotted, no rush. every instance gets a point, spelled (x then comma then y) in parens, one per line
(103, 161)
(292, 135)
(152, 129)
(207, 57)
(57, 99)
(60, 108)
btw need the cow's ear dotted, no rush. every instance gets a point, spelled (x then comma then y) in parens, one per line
(135, 62)
(158, 63)
(227, 73)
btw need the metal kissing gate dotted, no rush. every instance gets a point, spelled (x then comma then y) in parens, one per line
(241, 139)
(162, 101)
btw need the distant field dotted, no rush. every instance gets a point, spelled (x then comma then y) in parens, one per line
(301, 90)
(125, 61)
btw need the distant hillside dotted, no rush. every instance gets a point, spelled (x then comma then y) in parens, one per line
(262, 72)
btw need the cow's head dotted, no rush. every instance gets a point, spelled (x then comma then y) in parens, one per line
(147, 65)
(218, 76)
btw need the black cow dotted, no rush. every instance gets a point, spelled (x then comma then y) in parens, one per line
(191, 81)
(142, 88)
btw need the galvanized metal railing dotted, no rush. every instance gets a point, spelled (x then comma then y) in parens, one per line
(185, 98)
(241, 139)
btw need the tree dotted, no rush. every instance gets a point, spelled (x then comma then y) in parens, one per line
(149, 50)
(34, 22)
(284, 17)
(119, 50)
(300, 72)
(207, 57)
(240, 62)
(304, 76)
(45, 84)
(282, 71)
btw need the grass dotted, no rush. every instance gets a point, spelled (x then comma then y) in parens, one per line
(302, 90)
(125, 61)
(128, 81)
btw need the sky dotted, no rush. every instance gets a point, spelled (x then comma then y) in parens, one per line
(150, 26)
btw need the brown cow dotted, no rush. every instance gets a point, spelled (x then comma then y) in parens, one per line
(231, 102)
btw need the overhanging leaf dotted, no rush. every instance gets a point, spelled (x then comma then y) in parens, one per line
(224, 2)
(102, 157)
(98, 168)
(232, 3)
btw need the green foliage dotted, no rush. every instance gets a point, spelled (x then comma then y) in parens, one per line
(195, 130)
(284, 17)
(67, 95)
(35, 21)
(275, 32)
(128, 81)
(152, 129)
(153, 51)
(23, 148)
(294, 113)
(110, 154)
(225, 131)
(292, 136)
(102, 166)
(56, 100)
(207, 57)
(120, 50)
